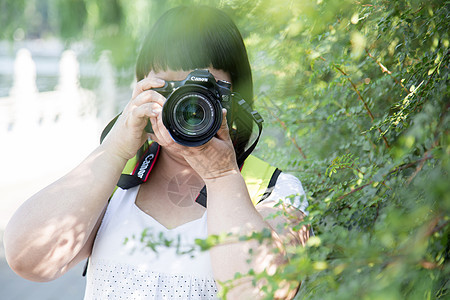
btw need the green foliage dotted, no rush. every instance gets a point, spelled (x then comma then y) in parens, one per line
(360, 90)
(148, 240)
(355, 99)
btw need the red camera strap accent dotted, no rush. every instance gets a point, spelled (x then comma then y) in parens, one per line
(143, 168)
(148, 160)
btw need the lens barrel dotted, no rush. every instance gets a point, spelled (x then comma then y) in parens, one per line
(192, 115)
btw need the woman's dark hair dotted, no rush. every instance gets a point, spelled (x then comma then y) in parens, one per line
(196, 37)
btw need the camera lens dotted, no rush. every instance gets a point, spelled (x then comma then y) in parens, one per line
(192, 114)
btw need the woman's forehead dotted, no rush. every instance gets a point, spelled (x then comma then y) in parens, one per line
(172, 75)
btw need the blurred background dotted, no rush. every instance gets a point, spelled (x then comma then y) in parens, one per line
(355, 99)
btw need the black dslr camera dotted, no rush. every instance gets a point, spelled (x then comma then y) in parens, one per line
(193, 111)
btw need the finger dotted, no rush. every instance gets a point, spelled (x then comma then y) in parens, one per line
(153, 122)
(149, 96)
(305, 234)
(146, 110)
(138, 116)
(223, 132)
(146, 84)
(160, 130)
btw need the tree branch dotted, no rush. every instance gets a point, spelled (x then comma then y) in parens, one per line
(411, 164)
(360, 97)
(355, 190)
(385, 70)
(402, 167)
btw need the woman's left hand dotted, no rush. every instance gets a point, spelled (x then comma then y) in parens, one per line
(212, 160)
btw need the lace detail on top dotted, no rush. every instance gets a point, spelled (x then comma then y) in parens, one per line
(121, 281)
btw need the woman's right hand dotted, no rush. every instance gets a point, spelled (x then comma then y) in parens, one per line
(128, 134)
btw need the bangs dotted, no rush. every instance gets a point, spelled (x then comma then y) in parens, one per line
(186, 38)
(181, 49)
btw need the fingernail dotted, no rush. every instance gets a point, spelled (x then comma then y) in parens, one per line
(160, 81)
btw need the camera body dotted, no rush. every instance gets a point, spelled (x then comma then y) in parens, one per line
(192, 112)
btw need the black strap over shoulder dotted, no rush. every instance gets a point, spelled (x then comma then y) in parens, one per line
(108, 128)
(255, 117)
(271, 185)
(148, 160)
(201, 198)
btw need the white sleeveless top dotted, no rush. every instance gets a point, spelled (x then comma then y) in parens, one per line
(122, 267)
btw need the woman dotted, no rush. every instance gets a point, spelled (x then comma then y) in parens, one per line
(72, 218)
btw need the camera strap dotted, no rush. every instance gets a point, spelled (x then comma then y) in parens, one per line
(142, 169)
(256, 117)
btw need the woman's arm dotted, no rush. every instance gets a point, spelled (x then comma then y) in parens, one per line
(231, 210)
(48, 230)
(56, 227)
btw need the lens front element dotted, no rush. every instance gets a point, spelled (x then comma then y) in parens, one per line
(193, 114)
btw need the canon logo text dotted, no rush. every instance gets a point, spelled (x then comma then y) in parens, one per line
(193, 78)
(144, 166)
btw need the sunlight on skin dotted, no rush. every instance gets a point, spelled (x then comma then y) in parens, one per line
(54, 251)
(266, 258)
(234, 256)
(49, 250)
